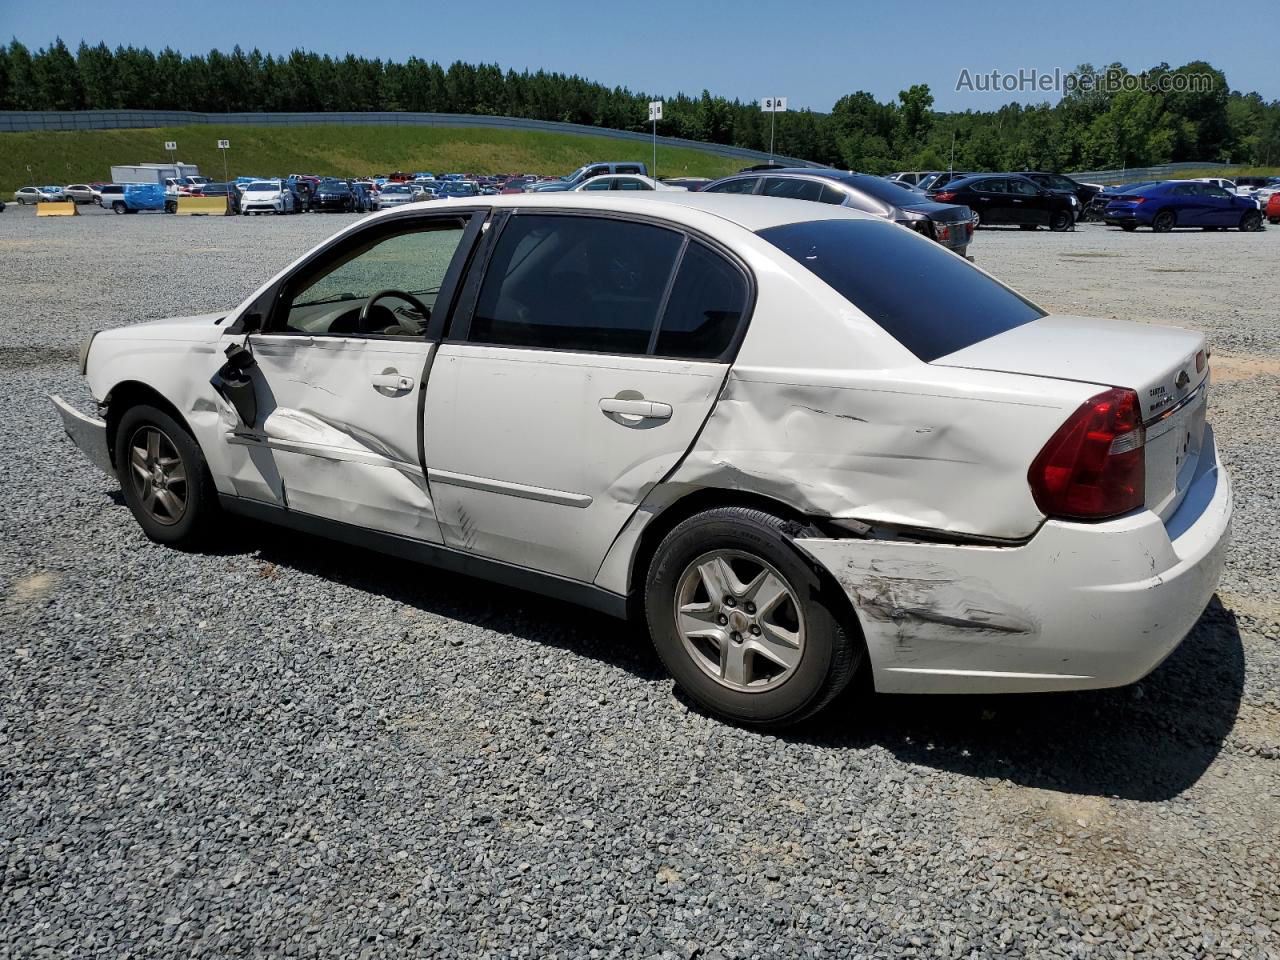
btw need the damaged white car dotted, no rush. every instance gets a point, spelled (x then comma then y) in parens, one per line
(793, 437)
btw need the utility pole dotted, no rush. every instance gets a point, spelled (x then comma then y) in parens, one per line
(655, 114)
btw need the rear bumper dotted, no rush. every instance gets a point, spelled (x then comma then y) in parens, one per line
(1079, 606)
(1132, 215)
(87, 433)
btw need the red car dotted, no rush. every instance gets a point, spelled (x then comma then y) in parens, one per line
(1273, 208)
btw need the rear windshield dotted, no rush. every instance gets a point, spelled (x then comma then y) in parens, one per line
(928, 299)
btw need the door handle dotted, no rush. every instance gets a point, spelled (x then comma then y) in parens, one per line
(648, 409)
(391, 381)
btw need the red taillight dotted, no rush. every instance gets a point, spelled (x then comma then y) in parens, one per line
(945, 196)
(1200, 361)
(1094, 466)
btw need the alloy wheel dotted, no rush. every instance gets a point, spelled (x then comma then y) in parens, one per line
(158, 475)
(739, 620)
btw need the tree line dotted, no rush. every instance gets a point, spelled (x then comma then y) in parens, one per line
(1084, 130)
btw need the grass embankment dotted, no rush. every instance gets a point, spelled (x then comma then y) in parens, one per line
(72, 156)
(1229, 173)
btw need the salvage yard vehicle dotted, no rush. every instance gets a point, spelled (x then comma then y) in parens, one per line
(333, 195)
(948, 224)
(1273, 208)
(80, 193)
(1182, 203)
(794, 438)
(395, 195)
(632, 181)
(267, 196)
(1010, 200)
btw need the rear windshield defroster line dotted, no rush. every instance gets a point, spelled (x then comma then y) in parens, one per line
(930, 300)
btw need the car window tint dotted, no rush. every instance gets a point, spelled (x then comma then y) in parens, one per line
(1184, 190)
(706, 305)
(792, 188)
(412, 261)
(741, 185)
(925, 297)
(603, 184)
(575, 283)
(1023, 187)
(832, 194)
(991, 186)
(627, 184)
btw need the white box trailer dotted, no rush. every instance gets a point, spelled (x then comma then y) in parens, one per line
(152, 172)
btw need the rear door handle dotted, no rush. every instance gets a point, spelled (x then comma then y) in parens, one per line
(391, 381)
(648, 409)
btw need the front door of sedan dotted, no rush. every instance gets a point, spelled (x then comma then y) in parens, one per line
(338, 376)
(1220, 206)
(580, 369)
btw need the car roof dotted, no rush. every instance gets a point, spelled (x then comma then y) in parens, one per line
(749, 212)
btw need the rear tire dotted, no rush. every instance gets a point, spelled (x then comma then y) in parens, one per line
(771, 666)
(1165, 221)
(164, 477)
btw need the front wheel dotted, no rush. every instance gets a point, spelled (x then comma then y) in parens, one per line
(1165, 221)
(743, 621)
(1251, 221)
(1060, 221)
(164, 477)
(119, 207)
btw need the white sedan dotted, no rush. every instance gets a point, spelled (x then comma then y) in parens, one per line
(794, 438)
(625, 181)
(267, 196)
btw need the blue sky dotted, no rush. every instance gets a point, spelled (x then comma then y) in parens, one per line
(812, 53)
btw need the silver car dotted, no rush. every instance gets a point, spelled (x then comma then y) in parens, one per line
(396, 195)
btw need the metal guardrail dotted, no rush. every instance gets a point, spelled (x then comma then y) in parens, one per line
(1165, 171)
(26, 121)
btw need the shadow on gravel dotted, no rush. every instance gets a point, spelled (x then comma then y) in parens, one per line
(1150, 741)
(458, 597)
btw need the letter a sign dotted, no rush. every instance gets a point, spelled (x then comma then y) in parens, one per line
(773, 105)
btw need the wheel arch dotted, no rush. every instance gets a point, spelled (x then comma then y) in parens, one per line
(131, 393)
(708, 498)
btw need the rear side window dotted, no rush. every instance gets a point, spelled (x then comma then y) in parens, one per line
(743, 185)
(925, 297)
(575, 283)
(705, 308)
(792, 188)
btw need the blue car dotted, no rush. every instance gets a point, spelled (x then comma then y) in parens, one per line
(1182, 203)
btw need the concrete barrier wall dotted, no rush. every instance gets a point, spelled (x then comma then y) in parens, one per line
(25, 121)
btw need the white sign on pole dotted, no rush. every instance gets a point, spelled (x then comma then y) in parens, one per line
(773, 105)
(171, 145)
(655, 110)
(224, 144)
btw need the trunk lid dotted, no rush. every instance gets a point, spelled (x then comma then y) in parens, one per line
(941, 212)
(1158, 363)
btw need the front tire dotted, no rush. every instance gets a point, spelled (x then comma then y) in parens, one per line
(743, 621)
(164, 477)
(119, 207)
(1061, 221)
(1251, 221)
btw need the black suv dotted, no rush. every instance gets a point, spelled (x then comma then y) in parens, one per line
(946, 223)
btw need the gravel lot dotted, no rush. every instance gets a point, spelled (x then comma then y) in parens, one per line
(288, 748)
